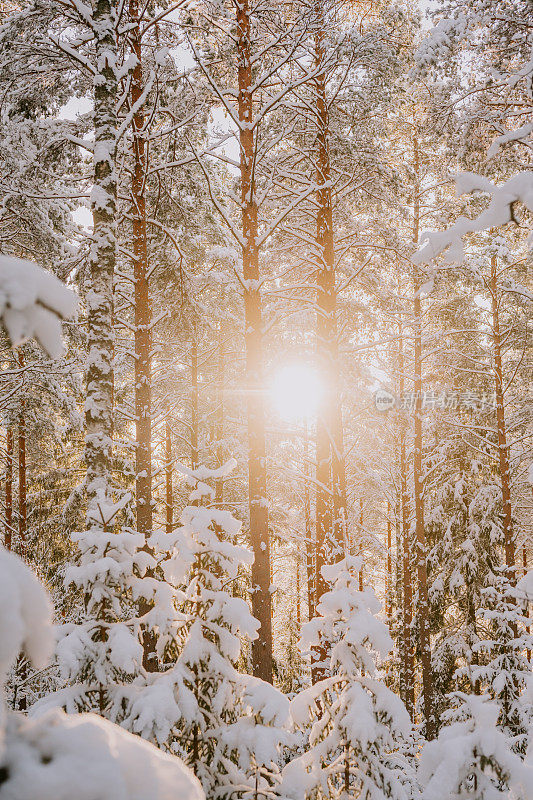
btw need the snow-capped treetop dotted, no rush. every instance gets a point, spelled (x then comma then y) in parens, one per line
(359, 728)
(347, 621)
(32, 303)
(200, 537)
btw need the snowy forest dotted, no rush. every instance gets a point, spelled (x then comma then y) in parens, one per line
(266, 408)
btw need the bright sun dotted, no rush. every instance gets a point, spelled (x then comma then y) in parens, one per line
(296, 391)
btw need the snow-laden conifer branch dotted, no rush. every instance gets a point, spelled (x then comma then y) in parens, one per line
(500, 211)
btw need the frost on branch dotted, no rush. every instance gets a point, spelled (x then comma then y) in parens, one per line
(33, 303)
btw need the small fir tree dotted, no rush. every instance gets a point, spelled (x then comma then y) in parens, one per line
(228, 727)
(472, 757)
(359, 727)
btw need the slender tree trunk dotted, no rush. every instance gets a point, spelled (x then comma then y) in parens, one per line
(8, 536)
(346, 769)
(398, 543)
(23, 507)
(143, 319)
(99, 291)
(528, 627)
(389, 564)
(421, 555)
(330, 507)
(219, 421)
(169, 500)
(272, 559)
(407, 660)
(23, 524)
(338, 463)
(503, 446)
(99, 294)
(143, 311)
(194, 400)
(298, 603)
(310, 545)
(331, 481)
(22, 498)
(253, 337)
(361, 537)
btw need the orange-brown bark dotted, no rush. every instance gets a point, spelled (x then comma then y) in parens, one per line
(22, 494)
(8, 535)
(143, 318)
(421, 555)
(503, 446)
(169, 499)
(253, 337)
(407, 650)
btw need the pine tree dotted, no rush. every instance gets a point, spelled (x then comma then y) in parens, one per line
(505, 670)
(462, 524)
(471, 758)
(359, 726)
(97, 654)
(228, 727)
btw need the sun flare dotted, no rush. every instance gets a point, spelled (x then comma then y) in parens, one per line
(296, 391)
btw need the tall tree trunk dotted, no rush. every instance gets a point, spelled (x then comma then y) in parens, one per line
(421, 555)
(330, 474)
(310, 545)
(8, 536)
(503, 446)
(398, 543)
(99, 295)
(298, 603)
(338, 463)
(23, 507)
(194, 400)
(169, 500)
(143, 319)
(143, 311)
(253, 337)
(99, 292)
(408, 667)
(388, 604)
(528, 627)
(219, 419)
(361, 537)
(23, 525)
(330, 507)
(22, 498)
